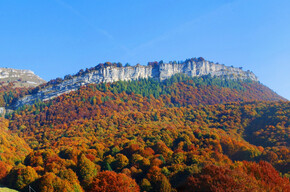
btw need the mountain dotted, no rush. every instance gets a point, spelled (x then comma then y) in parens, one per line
(108, 73)
(20, 78)
(164, 132)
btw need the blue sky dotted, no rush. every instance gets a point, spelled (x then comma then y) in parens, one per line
(58, 37)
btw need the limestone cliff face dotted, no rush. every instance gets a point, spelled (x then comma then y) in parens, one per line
(160, 72)
(192, 68)
(20, 78)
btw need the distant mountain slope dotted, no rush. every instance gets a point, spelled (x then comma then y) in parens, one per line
(108, 73)
(20, 78)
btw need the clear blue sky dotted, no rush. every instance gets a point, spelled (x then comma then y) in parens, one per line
(58, 37)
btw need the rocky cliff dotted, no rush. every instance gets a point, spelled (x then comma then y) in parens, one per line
(20, 78)
(111, 73)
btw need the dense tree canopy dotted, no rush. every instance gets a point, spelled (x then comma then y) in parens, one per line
(203, 133)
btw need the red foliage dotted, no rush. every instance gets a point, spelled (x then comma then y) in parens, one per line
(110, 181)
(3, 170)
(214, 178)
(266, 174)
(249, 176)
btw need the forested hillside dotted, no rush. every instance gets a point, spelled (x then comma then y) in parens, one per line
(182, 134)
(13, 149)
(9, 94)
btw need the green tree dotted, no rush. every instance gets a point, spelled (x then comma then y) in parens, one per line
(86, 169)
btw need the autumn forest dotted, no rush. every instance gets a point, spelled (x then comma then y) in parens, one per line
(182, 134)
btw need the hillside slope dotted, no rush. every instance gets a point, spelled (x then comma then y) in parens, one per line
(13, 150)
(178, 134)
(88, 102)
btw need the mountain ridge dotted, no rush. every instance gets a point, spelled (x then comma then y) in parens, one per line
(171, 133)
(108, 73)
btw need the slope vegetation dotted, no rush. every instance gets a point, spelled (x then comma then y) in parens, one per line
(180, 134)
(12, 149)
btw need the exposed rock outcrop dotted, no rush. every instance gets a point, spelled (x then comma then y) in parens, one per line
(20, 78)
(112, 73)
